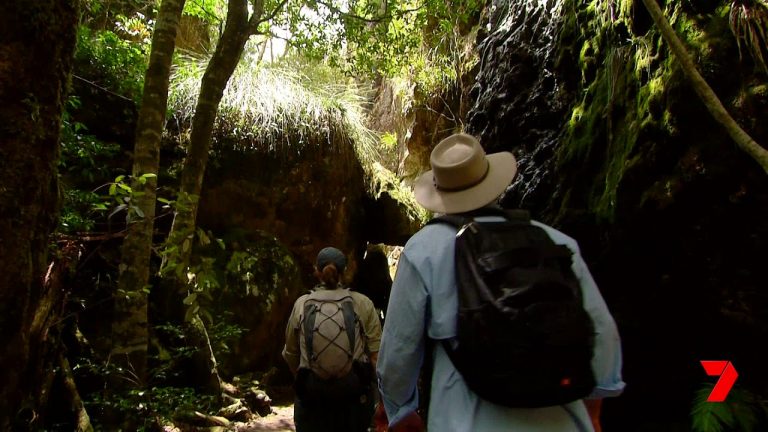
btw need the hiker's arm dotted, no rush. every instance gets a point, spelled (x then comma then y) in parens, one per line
(372, 327)
(291, 350)
(593, 408)
(606, 359)
(402, 343)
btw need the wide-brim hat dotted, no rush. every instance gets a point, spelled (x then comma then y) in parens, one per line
(463, 178)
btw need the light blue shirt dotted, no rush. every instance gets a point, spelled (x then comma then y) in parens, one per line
(423, 303)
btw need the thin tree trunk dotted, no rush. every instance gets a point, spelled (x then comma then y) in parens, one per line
(82, 421)
(222, 65)
(705, 92)
(129, 329)
(220, 68)
(37, 42)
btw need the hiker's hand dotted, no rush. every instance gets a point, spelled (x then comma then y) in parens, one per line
(593, 408)
(380, 418)
(411, 423)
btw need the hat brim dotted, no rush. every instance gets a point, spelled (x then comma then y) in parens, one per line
(502, 169)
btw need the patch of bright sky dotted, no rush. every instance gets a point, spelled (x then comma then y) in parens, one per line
(311, 19)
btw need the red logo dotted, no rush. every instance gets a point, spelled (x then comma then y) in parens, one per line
(727, 373)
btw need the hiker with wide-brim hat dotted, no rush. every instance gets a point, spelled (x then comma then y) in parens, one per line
(423, 306)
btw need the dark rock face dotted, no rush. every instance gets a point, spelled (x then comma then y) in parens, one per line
(307, 200)
(97, 104)
(617, 150)
(260, 281)
(277, 211)
(519, 104)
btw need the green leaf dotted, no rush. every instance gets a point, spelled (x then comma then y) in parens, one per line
(204, 240)
(112, 189)
(185, 246)
(207, 315)
(190, 299)
(124, 187)
(117, 210)
(148, 176)
(206, 295)
(189, 315)
(119, 178)
(707, 416)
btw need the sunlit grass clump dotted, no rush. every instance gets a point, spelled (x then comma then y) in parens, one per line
(287, 108)
(280, 107)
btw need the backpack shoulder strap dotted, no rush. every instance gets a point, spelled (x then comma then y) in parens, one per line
(454, 220)
(310, 313)
(458, 220)
(348, 311)
(518, 215)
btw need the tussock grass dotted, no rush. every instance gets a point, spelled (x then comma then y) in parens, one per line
(285, 107)
(280, 107)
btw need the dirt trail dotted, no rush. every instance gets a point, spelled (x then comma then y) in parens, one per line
(281, 420)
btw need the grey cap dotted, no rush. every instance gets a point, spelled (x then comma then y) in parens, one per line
(331, 255)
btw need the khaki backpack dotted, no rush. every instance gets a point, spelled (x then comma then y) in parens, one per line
(331, 333)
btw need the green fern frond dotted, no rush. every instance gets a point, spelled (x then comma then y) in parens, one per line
(739, 412)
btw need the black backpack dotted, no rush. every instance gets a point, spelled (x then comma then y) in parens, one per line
(523, 336)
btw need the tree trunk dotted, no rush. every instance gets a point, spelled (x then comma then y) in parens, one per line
(129, 329)
(705, 92)
(220, 68)
(222, 65)
(37, 42)
(82, 421)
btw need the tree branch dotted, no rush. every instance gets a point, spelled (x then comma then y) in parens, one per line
(255, 19)
(384, 17)
(705, 92)
(274, 12)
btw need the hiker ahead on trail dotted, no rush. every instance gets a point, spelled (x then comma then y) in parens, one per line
(502, 308)
(331, 342)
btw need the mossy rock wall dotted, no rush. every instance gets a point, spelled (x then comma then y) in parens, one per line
(616, 149)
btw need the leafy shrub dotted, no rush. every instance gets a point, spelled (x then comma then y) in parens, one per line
(141, 409)
(743, 411)
(84, 165)
(84, 158)
(77, 213)
(110, 61)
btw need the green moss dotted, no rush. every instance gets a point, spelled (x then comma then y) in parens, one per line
(383, 180)
(624, 100)
(758, 90)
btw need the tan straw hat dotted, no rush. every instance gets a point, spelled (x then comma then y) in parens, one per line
(463, 177)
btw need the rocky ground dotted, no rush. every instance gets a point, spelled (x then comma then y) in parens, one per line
(281, 420)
